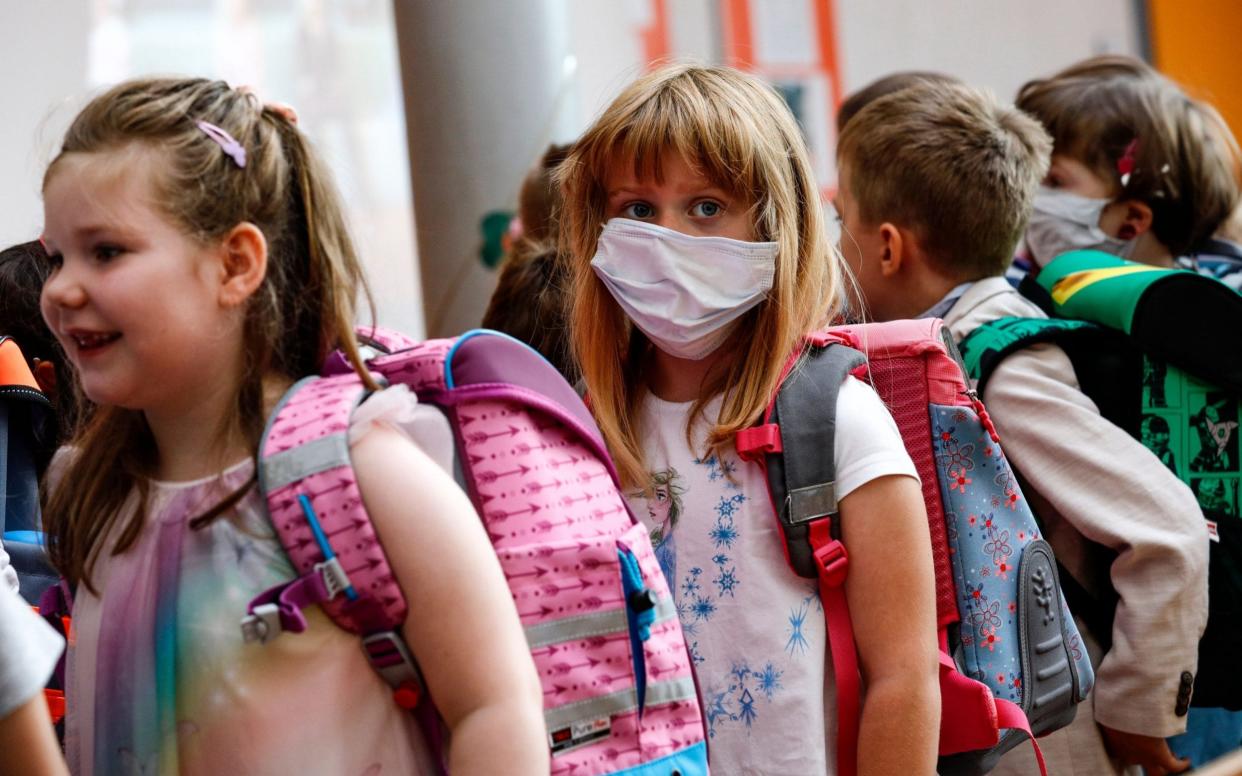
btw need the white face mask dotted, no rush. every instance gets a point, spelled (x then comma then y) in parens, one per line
(1063, 222)
(683, 292)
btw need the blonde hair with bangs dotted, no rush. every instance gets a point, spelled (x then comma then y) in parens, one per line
(740, 134)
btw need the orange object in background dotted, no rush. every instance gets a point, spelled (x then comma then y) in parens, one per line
(56, 698)
(1195, 42)
(55, 704)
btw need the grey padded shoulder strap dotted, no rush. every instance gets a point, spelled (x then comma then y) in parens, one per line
(802, 478)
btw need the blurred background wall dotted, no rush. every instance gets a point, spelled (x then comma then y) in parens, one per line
(430, 112)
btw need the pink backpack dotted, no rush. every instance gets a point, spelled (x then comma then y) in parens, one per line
(619, 693)
(1012, 665)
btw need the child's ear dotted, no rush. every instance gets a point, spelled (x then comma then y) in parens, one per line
(1136, 221)
(895, 247)
(244, 263)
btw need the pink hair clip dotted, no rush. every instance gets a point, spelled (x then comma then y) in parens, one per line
(1126, 164)
(231, 147)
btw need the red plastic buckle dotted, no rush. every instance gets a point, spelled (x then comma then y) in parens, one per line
(407, 695)
(55, 704)
(833, 563)
(755, 442)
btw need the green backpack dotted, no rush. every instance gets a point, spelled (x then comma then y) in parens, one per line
(1159, 351)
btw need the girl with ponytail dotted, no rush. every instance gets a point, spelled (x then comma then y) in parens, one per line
(200, 267)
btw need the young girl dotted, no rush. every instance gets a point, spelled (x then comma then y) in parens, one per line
(696, 237)
(1138, 168)
(200, 266)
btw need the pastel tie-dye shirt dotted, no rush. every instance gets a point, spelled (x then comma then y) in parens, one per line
(161, 682)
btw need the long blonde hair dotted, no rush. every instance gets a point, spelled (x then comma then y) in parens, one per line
(304, 308)
(741, 135)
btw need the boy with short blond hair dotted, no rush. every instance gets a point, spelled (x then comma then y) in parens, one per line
(936, 186)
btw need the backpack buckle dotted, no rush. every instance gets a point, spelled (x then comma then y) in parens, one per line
(262, 624)
(833, 562)
(390, 658)
(755, 442)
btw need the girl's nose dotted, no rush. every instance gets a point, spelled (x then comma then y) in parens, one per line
(669, 220)
(62, 289)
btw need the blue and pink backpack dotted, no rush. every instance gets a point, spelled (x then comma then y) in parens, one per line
(1012, 665)
(619, 693)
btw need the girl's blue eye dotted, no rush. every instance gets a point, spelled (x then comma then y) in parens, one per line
(638, 211)
(107, 252)
(706, 209)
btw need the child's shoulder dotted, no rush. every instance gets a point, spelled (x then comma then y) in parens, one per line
(988, 300)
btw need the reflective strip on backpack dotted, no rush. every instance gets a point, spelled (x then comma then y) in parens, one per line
(589, 625)
(298, 463)
(658, 694)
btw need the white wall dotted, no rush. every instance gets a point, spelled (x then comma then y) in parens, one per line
(336, 62)
(44, 75)
(999, 44)
(42, 61)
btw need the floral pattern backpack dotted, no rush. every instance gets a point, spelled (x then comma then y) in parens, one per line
(1011, 665)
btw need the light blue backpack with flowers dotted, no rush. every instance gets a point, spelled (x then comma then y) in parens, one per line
(1012, 661)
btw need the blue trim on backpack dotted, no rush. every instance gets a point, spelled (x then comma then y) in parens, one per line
(448, 359)
(26, 537)
(691, 761)
(321, 538)
(639, 622)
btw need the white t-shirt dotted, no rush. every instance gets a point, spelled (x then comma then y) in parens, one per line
(755, 629)
(29, 647)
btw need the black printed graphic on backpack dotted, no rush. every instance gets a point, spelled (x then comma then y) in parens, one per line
(1214, 432)
(1216, 494)
(1161, 433)
(1160, 388)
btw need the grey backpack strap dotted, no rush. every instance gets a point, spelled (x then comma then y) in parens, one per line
(802, 475)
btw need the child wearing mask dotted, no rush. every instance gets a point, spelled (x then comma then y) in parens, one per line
(1138, 168)
(1142, 170)
(936, 183)
(699, 259)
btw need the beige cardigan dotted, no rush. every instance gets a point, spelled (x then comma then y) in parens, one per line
(1094, 483)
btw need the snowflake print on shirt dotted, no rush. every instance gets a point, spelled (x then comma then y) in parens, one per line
(754, 629)
(797, 644)
(720, 470)
(739, 700)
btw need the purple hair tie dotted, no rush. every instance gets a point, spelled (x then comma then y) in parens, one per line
(225, 140)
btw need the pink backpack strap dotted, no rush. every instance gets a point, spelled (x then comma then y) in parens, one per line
(312, 495)
(385, 340)
(973, 718)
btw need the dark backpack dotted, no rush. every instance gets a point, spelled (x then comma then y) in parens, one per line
(27, 441)
(25, 449)
(1157, 350)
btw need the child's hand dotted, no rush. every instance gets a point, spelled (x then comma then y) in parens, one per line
(1148, 751)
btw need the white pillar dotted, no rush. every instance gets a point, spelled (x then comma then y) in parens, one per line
(486, 86)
